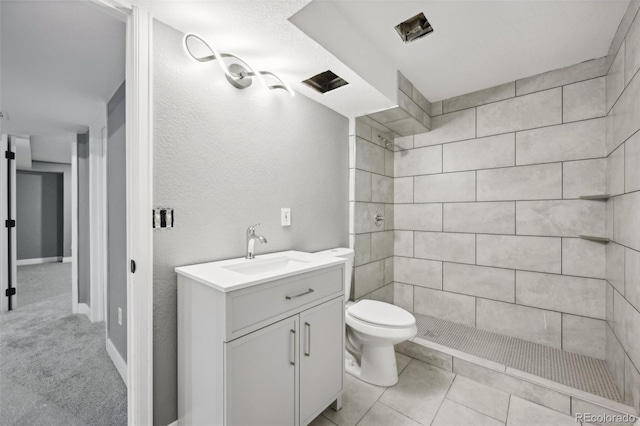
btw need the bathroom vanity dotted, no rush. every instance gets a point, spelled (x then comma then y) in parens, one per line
(260, 341)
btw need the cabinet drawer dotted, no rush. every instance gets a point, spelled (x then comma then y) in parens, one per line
(251, 306)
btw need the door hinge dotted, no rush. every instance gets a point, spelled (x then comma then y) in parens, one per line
(10, 155)
(133, 266)
(10, 223)
(10, 292)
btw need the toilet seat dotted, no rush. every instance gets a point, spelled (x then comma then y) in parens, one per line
(381, 314)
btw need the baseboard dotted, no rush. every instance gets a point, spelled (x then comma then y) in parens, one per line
(38, 260)
(84, 309)
(67, 259)
(117, 360)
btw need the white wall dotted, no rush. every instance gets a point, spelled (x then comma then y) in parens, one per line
(225, 159)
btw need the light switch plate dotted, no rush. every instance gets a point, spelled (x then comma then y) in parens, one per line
(285, 216)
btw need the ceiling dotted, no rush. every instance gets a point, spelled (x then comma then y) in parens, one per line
(61, 61)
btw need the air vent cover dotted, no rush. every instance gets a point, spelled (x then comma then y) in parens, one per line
(325, 82)
(414, 28)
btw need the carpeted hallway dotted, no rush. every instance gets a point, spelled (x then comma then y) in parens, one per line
(54, 367)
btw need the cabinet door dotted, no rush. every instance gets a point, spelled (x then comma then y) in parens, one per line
(260, 376)
(321, 357)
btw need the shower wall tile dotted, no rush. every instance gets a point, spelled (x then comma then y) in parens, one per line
(362, 249)
(403, 243)
(388, 163)
(445, 246)
(521, 113)
(626, 112)
(403, 190)
(449, 306)
(565, 142)
(626, 226)
(383, 294)
(481, 153)
(362, 185)
(381, 189)
(424, 354)
(369, 157)
(614, 356)
(420, 272)
(381, 245)
(368, 278)
(539, 182)
(632, 163)
(566, 218)
(451, 127)
(364, 215)
(631, 384)
(579, 296)
(481, 281)
(389, 217)
(422, 161)
(489, 218)
(436, 108)
(445, 187)
(542, 254)
(388, 270)
(626, 325)
(615, 78)
(584, 177)
(615, 266)
(492, 94)
(585, 336)
(403, 143)
(583, 258)
(403, 296)
(632, 277)
(418, 217)
(584, 100)
(556, 78)
(523, 322)
(610, 296)
(615, 171)
(632, 52)
(363, 130)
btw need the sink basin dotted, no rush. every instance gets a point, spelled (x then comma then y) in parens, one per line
(234, 274)
(260, 266)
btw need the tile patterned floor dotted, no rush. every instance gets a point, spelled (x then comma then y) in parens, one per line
(428, 396)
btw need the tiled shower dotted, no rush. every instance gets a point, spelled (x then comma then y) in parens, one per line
(518, 213)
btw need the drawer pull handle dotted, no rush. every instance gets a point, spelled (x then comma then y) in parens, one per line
(292, 359)
(301, 294)
(308, 351)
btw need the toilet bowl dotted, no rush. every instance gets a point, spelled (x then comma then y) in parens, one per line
(373, 328)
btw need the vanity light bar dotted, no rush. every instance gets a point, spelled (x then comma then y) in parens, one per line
(239, 73)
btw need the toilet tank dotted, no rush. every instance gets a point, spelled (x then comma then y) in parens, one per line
(348, 254)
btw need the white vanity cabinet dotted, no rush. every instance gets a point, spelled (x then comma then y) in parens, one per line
(268, 354)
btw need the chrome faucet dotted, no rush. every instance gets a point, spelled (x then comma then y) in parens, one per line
(251, 240)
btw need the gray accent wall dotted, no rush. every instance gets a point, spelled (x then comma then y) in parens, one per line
(84, 200)
(39, 215)
(117, 221)
(225, 159)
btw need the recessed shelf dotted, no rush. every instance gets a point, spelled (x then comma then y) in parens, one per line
(595, 197)
(594, 238)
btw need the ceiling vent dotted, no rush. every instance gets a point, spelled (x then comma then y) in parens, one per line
(325, 82)
(414, 28)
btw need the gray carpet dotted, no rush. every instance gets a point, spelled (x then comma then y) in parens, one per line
(54, 368)
(42, 282)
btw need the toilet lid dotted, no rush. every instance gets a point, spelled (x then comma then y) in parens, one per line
(381, 313)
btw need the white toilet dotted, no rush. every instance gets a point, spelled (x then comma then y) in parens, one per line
(373, 328)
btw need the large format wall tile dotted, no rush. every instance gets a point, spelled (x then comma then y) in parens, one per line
(362, 186)
(626, 323)
(525, 112)
(615, 78)
(615, 171)
(573, 295)
(381, 189)
(573, 141)
(584, 100)
(445, 246)
(368, 278)
(539, 182)
(584, 177)
(490, 283)
(626, 112)
(418, 217)
(631, 384)
(445, 187)
(632, 51)
(632, 163)
(403, 190)
(369, 157)
(444, 305)
(523, 322)
(482, 153)
(582, 71)
(542, 254)
(626, 226)
(615, 358)
(403, 243)
(615, 268)
(485, 96)
(421, 161)
(381, 245)
(489, 218)
(585, 336)
(362, 249)
(567, 218)
(583, 258)
(403, 296)
(420, 272)
(364, 217)
(455, 126)
(632, 277)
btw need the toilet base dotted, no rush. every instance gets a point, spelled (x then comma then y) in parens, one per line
(378, 365)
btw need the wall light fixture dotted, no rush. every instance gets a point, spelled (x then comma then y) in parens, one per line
(238, 72)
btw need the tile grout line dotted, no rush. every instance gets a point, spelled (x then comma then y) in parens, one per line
(445, 397)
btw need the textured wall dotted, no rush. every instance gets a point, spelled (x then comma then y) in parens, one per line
(84, 229)
(225, 159)
(487, 215)
(623, 209)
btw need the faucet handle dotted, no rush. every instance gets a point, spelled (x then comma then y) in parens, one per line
(252, 229)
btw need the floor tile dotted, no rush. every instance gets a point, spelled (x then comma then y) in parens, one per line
(381, 415)
(454, 414)
(402, 361)
(321, 421)
(419, 392)
(525, 413)
(358, 397)
(482, 398)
